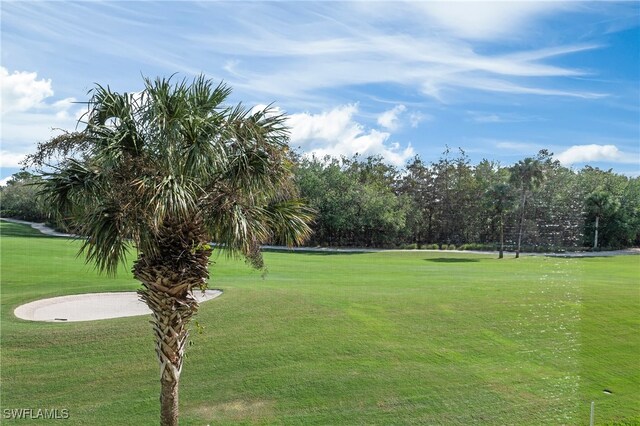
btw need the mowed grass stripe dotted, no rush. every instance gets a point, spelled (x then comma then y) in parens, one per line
(375, 338)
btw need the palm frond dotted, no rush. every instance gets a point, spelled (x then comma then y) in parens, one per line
(204, 99)
(172, 197)
(289, 221)
(202, 153)
(73, 180)
(170, 155)
(105, 244)
(257, 150)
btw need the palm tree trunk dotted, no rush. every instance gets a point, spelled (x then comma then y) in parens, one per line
(168, 278)
(169, 403)
(501, 255)
(524, 202)
(171, 315)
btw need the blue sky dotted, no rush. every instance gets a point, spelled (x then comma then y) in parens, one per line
(501, 80)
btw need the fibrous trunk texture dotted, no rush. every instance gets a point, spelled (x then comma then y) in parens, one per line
(168, 277)
(168, 402)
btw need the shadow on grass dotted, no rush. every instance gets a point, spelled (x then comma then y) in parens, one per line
(452, 260)
(314, 253)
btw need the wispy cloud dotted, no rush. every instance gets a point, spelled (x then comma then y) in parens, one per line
(485, 20)
(300, 50)
(519, 147)
(487, 118)
(503, 86)
(345, 45)
(390, 119)
(484, 117)
(417, 117)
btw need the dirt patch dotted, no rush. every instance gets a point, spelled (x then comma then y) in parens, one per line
(238, 410)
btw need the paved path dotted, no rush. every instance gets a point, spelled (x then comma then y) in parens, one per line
(40, 227)
(632, 251)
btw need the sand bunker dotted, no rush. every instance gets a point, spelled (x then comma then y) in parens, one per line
(92, 306)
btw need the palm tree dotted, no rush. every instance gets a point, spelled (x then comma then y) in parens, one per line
(599, 204)
(526, 175)
(166, 171)
(500, 197)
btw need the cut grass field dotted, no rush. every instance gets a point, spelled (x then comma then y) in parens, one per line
(327, 339)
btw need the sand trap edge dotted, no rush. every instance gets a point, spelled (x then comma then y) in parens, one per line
(92, 306)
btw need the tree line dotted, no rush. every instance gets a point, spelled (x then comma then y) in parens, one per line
(535, 205)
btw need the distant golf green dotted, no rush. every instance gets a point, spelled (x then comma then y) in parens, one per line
(327, 339)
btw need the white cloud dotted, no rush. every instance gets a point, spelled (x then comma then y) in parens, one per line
(63, 107)
(28, 114)
(11, 159)
(337, 133)
(391, 119)
(273, 110)
(595, 153)
(3, 182)
(485, 19)
(22, 90)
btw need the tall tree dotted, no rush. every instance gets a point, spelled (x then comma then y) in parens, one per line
(486, 174)
(381, 211)
(598, 205)
(630, 206)
(168, 170)
(525, 175)
(355, 198)
(558, 208)
(418, 186)
(500, 200)
(607, 222)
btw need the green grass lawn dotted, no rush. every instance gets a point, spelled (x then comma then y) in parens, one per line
(326, 339)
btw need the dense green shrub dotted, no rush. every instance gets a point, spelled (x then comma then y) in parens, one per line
(18, 199)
